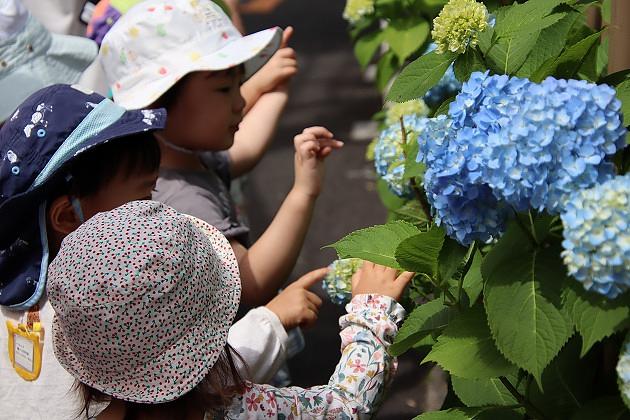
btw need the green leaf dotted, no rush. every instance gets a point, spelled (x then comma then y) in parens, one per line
(520, 294)
(413, 169)
(419, 253)
(508, 54)
(549, 44)
(468, 63)
(390, 200)
(451, 257)
(616, 78)
(471, 413)
(466, 348)
(376, 244)
(411, 212)
(385, 69)
(529, 17)
(609, 408)
(565, 383)
(623, 93)
(419, 76)
(473, 281)
(405, 37)
(481, 392)
(568, 63)
(444, 106)
(366, 46)
(423, 320)
(595, 316)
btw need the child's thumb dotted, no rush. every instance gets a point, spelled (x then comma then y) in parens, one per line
(286, 36)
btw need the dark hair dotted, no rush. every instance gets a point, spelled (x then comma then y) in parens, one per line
(168, 98)
(136, 154)
(213, 394)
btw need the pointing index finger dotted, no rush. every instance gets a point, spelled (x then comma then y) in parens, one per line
(310, 279)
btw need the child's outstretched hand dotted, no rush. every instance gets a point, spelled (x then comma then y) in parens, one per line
(311, 148)
(296, 305)
(276, 74)
(377, 279)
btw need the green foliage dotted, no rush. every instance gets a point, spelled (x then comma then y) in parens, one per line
(426, 319)
(594, 316)
(623, 93)
(483, 392)
(474, 413)
(466, 348)
(419, 253)
(521, 297)
(421, 75)
(377, 244)
(406, 37)
(366, 47)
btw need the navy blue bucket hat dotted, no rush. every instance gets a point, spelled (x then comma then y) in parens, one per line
(47, 131)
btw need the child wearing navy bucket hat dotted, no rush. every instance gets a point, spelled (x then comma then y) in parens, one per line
(67, 154)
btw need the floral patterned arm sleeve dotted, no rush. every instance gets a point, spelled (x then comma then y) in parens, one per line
(355, 388)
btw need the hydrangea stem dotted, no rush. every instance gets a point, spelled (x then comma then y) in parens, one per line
(532, 410)
(426, 208)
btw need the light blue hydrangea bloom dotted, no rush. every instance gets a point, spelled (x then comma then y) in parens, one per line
(597, 237)
(389, 157)
(467, 209)
(623, 371)
(529, 145)
(338, 281)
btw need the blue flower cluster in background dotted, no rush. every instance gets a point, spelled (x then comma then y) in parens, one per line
(447, 86)
(338, 281)
(527, 145)
(597, 236)
(389, 154)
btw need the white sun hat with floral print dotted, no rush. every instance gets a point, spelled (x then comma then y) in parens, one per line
(157, 42)
(143, 298)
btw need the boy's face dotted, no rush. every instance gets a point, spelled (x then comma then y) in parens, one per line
(207, 111)
(121, 189)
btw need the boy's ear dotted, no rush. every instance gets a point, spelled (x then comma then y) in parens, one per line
(62, 219)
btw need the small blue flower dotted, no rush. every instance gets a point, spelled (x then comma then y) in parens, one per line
(389, 156)
(597, 237)
(338, 281)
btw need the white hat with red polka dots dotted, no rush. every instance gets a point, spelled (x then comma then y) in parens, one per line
(143, 297)
(157, 42)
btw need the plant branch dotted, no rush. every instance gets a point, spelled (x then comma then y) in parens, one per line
(532, 410)
(426, 208)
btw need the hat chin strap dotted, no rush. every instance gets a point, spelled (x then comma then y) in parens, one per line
(175, 147)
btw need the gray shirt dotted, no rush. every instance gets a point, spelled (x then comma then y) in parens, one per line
(204, 194)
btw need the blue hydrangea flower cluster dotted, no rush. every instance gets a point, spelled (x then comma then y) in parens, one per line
(623, 371)
(597, 237)
(338, 281)
(389, 155)
(529, 145)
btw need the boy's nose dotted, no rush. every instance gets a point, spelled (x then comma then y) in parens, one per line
(239, 104)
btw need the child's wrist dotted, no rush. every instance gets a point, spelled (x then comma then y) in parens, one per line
(304, 193)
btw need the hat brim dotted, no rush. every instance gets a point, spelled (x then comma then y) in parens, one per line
(15, 208)
(64, 62)
(253, 51)
(201, 345)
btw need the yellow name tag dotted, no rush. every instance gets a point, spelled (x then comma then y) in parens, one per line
(25, 349)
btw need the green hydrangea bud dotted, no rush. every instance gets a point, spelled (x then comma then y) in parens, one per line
(395, 111)
(338, 281)
(457, 25)
(357, 9)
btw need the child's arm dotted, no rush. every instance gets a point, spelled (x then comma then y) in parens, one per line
(266, 95)
(365, 368)
(269, 261)
(260, 337)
